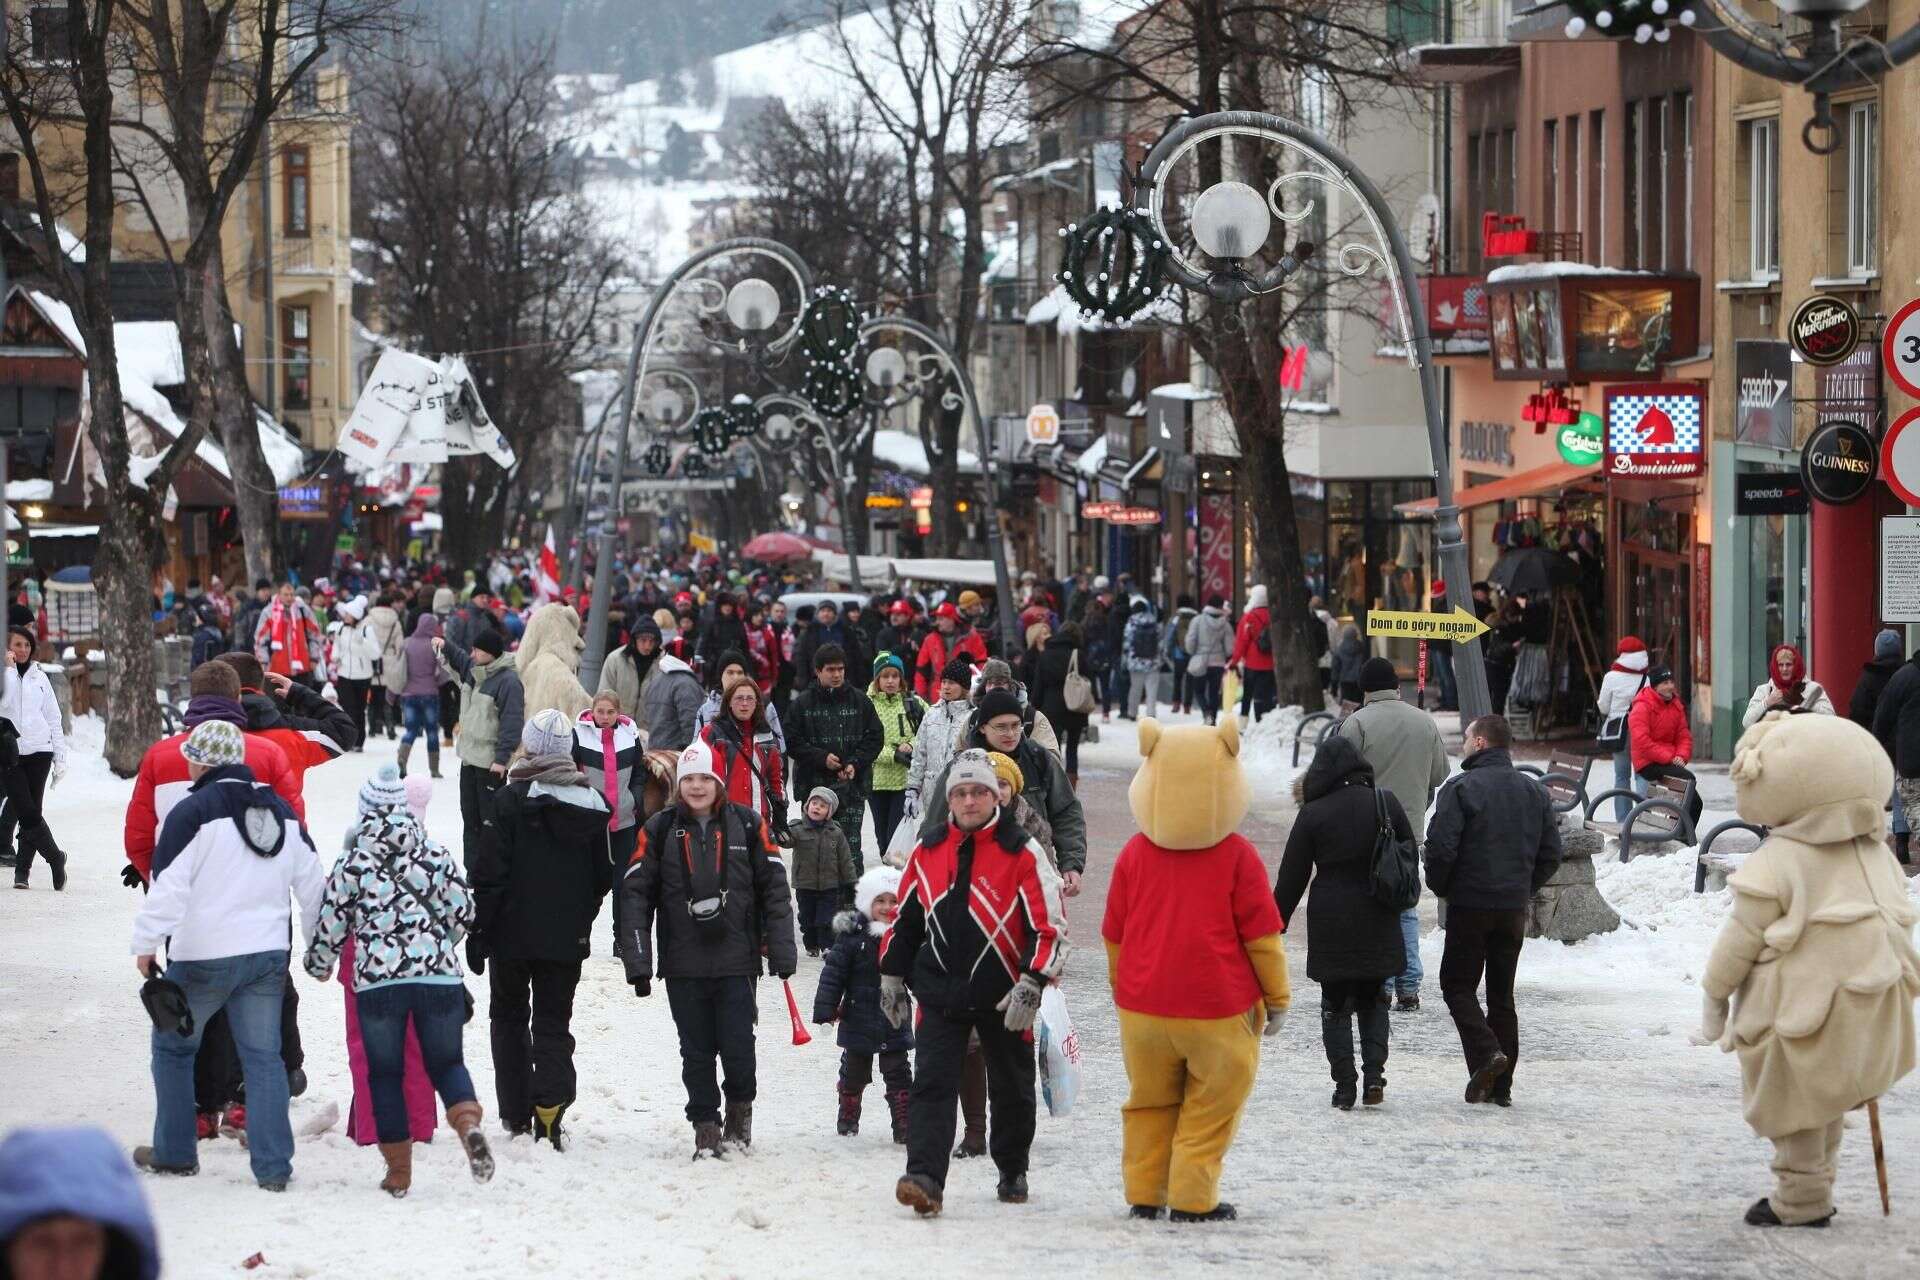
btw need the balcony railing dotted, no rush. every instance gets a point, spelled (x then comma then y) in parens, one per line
(320, 253)
(1008, 301)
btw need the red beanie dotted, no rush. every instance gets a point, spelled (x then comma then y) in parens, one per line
(1632, 644)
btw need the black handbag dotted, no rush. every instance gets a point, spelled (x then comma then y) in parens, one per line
(1395, 878)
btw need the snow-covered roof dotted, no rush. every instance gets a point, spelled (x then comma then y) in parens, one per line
(1555, 270)
(903, 451)
(1183, 391)
(60, 316)
(29, 490)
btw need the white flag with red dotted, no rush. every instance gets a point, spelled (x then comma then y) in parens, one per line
(547, 583)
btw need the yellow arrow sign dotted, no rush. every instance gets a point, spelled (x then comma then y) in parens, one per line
(1458, 625)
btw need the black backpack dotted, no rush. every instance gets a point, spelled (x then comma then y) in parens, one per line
(1395, 877)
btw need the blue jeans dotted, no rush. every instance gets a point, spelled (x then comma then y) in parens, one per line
(1408, 983)
(439, 1015)
(249, 988)
(420, 714)
(1623, 777)
(1443, 673)
(1899, 825)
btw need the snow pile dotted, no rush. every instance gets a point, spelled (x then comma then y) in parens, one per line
(904, 451)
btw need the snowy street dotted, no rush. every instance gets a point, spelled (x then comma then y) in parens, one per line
(1624, 1154)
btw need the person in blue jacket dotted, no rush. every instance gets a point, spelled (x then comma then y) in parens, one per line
(849, 994)
(71, 1206)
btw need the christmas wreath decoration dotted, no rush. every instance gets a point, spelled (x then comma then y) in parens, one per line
(1643, 20)
(742, 421)
(658, 459)
(830, 387)
(711, 432)
(1113, 262)
(830, 326)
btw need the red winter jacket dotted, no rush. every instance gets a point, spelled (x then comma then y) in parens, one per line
(1182, 919)
(755, 775)
(936, 651)
(163, 782)
(1246, 642)
(1657, 729)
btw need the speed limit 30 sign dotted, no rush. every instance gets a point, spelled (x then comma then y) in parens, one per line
(1900, 348)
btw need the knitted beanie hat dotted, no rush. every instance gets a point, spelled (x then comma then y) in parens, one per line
(972, 767)
(959, 671)
(214, 743)
(1007, 769)
(419, 793)
(826, 794)
(547, 734)
(384, 790)
(1377, 674)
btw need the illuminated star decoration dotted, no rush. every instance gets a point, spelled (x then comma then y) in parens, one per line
(1112, 262)
(1642, 20)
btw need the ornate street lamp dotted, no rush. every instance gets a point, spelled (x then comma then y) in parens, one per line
(1230, 222)
(1823, 59)
(739, 319)
(791, 425)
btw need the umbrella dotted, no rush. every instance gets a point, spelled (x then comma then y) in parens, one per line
(1532, 571)
(776, 547)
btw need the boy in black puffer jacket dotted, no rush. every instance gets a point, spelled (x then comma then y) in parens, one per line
(849, 993)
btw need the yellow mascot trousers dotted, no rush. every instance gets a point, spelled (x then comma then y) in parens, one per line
(1191, 1078)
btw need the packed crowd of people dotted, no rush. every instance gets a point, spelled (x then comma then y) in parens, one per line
(849, 780)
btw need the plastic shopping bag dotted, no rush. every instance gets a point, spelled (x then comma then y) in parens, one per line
(1059, 1053)
(1230, 689)
(900, 846)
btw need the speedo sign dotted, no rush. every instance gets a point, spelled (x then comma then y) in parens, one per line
(1824, 329)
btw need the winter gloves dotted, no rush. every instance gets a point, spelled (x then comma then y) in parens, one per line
(895, 1003)
(476, 954)
(642, 987)
(1276, 1019)
(130, 876)
(1713, 1021)
(1022, 1004)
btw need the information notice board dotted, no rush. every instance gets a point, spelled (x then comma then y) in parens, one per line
(1900, 569)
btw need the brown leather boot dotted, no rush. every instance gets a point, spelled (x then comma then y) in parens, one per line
(399, 1157)
(464, 1119)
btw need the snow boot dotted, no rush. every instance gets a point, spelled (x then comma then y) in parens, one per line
(1222, 1212)
(849, 1122)
(464, 1119)
(233, 1121)
(706, 1141)
(56, 859)
(1375, 1028)
(1374, 1094)
(917, 1192)
(1480, 1085)
(1012, 1190)
(897, 1100)
(1761, 1214)
(143, 1160)
(399, 1157)
(1344, 1094)
(739, 1129)
(1146, 1212)
(546, 1125)
(1902, 846)
(405, 750)
(433, 759)
(1407, 1004)
(206, 1125)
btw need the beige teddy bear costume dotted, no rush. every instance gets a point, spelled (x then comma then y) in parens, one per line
(1819, 948)
(549, 662)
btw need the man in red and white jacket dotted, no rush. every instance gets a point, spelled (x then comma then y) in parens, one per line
(979, 935)
(163, 779)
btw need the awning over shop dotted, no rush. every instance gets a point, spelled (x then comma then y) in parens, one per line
(1551, 478)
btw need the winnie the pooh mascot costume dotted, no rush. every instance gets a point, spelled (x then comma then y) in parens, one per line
(1818, 948)
(549, 662)
(1194, 956)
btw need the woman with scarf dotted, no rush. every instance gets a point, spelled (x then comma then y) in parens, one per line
(1786, 688)
(542, 867)
(288, 637)
(751, 768)
(607, 747)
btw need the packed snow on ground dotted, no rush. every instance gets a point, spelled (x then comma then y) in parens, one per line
(1624, 1154)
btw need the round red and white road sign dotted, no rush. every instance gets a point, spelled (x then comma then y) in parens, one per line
(1900, 348)
(1900, 457)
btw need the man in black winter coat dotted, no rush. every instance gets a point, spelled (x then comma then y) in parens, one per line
(833, 737)
(1896, 722)
(709, 873)
(1493, 841)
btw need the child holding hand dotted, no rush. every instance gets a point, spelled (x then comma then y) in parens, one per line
(849, 994)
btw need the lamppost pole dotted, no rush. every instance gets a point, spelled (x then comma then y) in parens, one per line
(939, 360)
(752, 306)
(1331, 169)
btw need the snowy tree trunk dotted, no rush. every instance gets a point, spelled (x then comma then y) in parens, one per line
(204, 310)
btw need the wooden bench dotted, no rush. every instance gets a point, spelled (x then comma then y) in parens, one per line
(1565, 779)
(1661, 816)
(1718, 861)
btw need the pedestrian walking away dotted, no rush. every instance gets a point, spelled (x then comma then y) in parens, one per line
(1863, 708)
(542, 869)
(1494, 840)
(705, 906)
(1252, 656)
(1401, 744)
(1355, 943)
(1614, 705)
(399, 897)
(229, 855)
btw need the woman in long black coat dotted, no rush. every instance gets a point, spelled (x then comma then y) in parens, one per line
(1047, 690)
(1353, 940)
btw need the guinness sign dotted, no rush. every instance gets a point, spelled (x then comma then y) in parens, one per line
(1838, 463)
(1824, 329)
